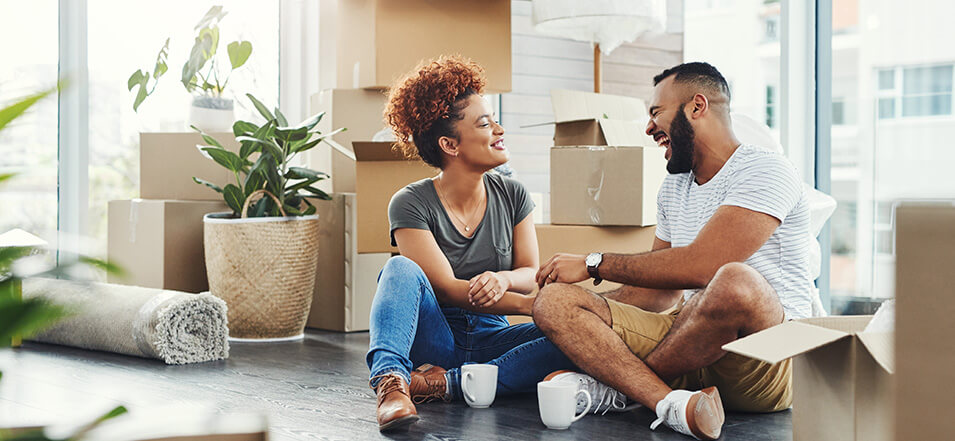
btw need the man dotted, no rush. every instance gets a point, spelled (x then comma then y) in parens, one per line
(730, 258)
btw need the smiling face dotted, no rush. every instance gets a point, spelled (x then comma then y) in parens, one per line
(670, 128)
(480, 140)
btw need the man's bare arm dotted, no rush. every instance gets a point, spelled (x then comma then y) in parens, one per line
(648, 299)
(733, 234)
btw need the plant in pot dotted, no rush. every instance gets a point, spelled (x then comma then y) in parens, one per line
(211, 109)
(261, 256)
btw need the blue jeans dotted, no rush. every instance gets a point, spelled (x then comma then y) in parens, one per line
(408, 328)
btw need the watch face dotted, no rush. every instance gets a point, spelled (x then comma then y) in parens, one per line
(593, 259)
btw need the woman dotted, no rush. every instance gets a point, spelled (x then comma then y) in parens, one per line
(468, 253)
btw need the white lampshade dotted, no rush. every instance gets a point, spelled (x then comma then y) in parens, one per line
(608, 23)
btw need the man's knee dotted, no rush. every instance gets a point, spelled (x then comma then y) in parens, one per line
(552, 302)
(735, 284)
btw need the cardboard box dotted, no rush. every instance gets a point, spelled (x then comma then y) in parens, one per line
(158, 243)
(360, 111)
(604, 185)
(346, 281)
(842, 376)
(584, 118)
(380, 171)
(925, 305)
(379, 41)
(581, 239)
(169, 161)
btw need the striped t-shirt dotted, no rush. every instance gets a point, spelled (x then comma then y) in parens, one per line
(758, 180)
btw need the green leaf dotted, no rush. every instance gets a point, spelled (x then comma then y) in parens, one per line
(292, 210)
(291, 135)
(304, 173)
(209, 139)
(25, 317)
(239, 52)
(299, 185)
(260, 107)
(253, 181)
(302, 147)
(280, 118)
(243, 127)
(207, 184)
(140, 96)
(260, 207)
(225, 158)
(161, 66)
(16, 109)
(309, 211)
(108, 267)
(5, 176)
(318, 193)
(312, 121)
(271, 147)
(214, 14)
(202, 51)
(234, 198)
(134, 79)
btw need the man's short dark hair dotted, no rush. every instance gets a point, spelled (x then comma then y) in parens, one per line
(700, 74)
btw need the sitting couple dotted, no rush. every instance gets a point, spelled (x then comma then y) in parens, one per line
(730, 258)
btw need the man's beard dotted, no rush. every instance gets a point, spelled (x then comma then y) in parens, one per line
(681, 144)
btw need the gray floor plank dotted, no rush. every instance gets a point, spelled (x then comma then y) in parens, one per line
(314, 389)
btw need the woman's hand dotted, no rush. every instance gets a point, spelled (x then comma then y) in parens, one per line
(487, 288)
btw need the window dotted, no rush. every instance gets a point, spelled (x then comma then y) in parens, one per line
(915, 91)
(899, 101)
(114, 126)
(771, 106)
(772, 28)
(838, 112)
(29, 144)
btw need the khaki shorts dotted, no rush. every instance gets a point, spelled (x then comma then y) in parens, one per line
(745, 384)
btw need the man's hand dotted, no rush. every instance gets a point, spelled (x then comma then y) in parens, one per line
(487, 288)
(564, 268)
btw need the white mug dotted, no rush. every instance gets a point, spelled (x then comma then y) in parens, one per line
(479, 384)
(558, 401)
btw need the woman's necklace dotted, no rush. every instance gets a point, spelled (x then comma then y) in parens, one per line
(467, 225)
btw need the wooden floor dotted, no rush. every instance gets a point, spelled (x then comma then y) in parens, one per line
(312, 390)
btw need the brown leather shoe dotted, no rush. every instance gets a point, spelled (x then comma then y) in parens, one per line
(395, 409)
(428, 383)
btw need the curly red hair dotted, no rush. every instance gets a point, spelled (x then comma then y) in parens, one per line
(423, 104)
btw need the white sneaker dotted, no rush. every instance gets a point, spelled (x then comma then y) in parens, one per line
(697, 414)
(605, 398)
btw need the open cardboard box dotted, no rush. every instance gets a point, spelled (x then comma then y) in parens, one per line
(346, 281)
(604, 169)
(158, 243)
(169, 161)
(360, 112)
(378, 41)
(380, 172)
(842, 376)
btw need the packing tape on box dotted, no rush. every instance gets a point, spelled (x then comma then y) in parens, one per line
(355, 71)
(595, 182)
(133, 218)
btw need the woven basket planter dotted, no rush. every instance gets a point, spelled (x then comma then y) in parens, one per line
(264, 269)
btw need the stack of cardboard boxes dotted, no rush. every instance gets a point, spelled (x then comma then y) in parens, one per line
(605, 173)
(157, 239)
(378, 42)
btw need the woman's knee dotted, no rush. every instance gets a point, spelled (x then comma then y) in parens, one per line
(401, 265)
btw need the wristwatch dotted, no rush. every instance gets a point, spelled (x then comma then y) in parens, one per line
(593, 261)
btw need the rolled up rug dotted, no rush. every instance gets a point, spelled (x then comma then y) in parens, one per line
(173, 326)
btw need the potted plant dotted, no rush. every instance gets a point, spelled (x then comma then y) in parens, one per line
(261, 256)
(211, 109)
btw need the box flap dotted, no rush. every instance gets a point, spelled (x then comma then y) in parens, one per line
(377, 151)
(846, 323)
(880, 345)
(784, 341)
(625, 133)
(573, 105)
